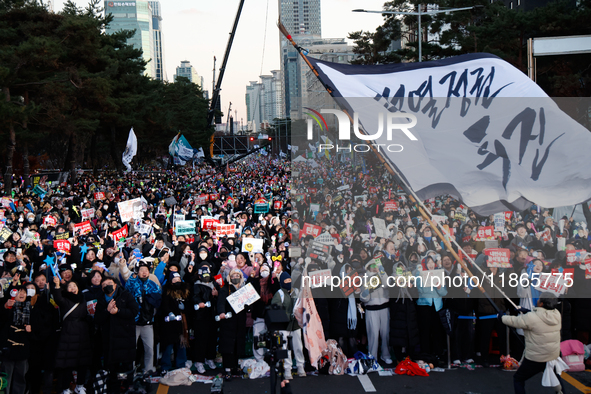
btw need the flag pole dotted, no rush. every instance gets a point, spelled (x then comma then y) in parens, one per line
(407, 188)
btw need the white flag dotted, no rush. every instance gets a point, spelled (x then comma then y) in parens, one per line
(130, 150)
(484, 133)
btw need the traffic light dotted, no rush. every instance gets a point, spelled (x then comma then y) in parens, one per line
(270, 139)
(251, 139)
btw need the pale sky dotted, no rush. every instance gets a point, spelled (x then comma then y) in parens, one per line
(196, 30)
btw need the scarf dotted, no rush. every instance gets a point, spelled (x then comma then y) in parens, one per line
(22, 314)
(266, 295)
(535, 293)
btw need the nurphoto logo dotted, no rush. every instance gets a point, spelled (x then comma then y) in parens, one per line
(387, 121)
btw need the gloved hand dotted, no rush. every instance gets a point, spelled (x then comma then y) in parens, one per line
(522, 310)
(500, 316)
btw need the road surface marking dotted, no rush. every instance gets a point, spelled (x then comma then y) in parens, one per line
(574, 382)
(366, 383)
(162, 389)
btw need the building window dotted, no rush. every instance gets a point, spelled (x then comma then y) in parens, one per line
(511, 5)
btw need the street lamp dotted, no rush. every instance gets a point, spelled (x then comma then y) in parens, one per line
(419, 13)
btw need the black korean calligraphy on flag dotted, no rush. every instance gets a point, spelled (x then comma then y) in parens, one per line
(485, 133)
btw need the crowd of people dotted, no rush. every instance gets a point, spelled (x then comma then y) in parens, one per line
(82, 281)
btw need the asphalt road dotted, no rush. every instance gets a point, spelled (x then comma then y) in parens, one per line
(480, 380)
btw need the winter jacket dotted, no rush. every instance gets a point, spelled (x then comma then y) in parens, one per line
(172, 331)
(202, 292)
(74, 348)
(148, 296)
(233, 330)
(119, 329)
(541, 328)
(283, 299)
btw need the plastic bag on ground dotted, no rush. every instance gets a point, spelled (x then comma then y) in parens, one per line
(177, 377)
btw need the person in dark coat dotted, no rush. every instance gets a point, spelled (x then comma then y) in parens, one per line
(91, 294)
(74, 351)
(344, 317)
(15, 339)
(174, 333)
(115, 314)
(404, 327)
(205, 290)
(232, 327)
(266, 285)
(46, 320)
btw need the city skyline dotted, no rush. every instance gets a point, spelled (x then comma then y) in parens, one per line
(198, 32)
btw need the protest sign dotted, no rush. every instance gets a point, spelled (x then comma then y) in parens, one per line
(500, 258)
(171, 201)
(62, 245)
(556, 282)
(65, 235)
(575, 257)
(87, 213)
(38, 190)
(130, 209)
(310, 229)
(508, 215)
(6, 202)
(277, 205)
(99, 196)
(343, 188)
(82, 228)
(487, 232)
(318, 251)
(246, 295)
(225, 230)
(499, 220)
(350, 283)
(210, 224)
(261, 206)
(439, 218)
(5, 233)
(325, 238)
(49, 221)
(120, 234)
(314, 207)
(390, 206)
(201, 200)
(380, 228)
(183, 227)
(295, 251)
(252, 245)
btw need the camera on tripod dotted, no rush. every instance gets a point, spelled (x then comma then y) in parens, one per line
(269, 340)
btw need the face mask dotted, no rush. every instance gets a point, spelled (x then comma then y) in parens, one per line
(108, 289)
(264, 274)
(30, 292)
(206, 278)
(203, 256)
(176, 284)
(235, 281)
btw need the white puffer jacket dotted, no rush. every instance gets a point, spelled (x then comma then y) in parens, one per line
(541, 328)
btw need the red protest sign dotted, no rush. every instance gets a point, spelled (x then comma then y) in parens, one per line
(351, 283)
(99, 196)
(277, 205)
(62, 245)
(373, 189)
(486, 232)
(49, 221)
(213, 197)
(120, 234)
(201, 200)
(497, 257)
(83, 228)
(575, 257)
(312, 190)
(390, 206)
(210, 224)
(508, 215)
(310, 229)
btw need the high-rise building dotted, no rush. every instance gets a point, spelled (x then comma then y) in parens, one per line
(188, 71)
(264, 100)
(302, 20)
(135, 15)
(158, 44)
